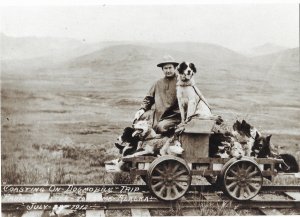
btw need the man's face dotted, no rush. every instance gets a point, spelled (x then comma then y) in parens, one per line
(169, 70)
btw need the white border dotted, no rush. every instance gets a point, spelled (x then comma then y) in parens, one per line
(137, 2)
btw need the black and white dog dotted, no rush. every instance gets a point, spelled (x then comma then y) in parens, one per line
(141, 140)
(246, 135)
(190, 100)
(127, 145)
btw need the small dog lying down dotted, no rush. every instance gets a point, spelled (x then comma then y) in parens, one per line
(263, 148)
(190, 100)
(141, 140)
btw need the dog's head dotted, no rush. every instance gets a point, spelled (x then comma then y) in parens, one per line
(127, 135)
(224, 149)
(230, 149)
(245, 129)
(126, 143)
(141, 128)
(176, 149)
(242, 128)
(186, 71)
(237, 150)
(262, 146)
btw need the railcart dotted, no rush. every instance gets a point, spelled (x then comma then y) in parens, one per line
(169, 177)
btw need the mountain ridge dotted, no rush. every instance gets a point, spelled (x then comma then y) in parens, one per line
(127, 54)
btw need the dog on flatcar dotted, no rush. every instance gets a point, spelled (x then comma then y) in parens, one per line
(154, 144)
(236, 141)
(191, 101)
(263, 148)
(141, 140)
(244, 139)
(127, 143)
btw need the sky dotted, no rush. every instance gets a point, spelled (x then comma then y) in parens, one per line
(236, 26)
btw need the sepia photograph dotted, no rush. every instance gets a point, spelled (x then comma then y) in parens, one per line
(154, 109)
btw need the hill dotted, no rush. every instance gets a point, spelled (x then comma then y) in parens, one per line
(30, 47)
(33, 47)
(203, 51)
(288, 58)
(151, 53)
(265, 49)
(32, 53)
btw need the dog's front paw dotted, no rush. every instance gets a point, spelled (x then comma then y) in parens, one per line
(182, 124)
(127, 156)
(179, 130)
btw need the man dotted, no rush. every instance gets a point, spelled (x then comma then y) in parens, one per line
(162, 94)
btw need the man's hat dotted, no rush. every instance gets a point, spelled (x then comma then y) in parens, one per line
(167, 59)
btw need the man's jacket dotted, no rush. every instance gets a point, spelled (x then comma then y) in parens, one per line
(163, 95)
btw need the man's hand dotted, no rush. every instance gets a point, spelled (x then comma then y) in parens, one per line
(138, 114)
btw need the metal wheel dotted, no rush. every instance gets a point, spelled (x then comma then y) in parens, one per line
(242, 179)
(169, 178)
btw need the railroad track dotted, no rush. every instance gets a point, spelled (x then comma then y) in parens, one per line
(95, 200)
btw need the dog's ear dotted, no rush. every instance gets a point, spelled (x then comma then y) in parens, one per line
(236, 125)
(244, 124)
(120, 147)
(193, 67)
(257, 135)
(180, 68)
(247, 128)
(268, 138)
(128, 131)
(239, 125)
